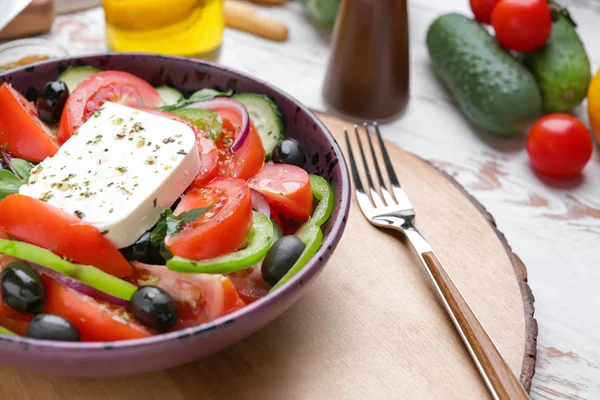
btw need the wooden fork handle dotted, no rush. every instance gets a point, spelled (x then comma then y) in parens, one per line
(499, 378)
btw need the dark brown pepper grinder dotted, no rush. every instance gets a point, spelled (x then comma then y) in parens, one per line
(368, 73)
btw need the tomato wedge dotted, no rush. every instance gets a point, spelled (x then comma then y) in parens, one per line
(287, 189)
(25, 135)
(219, 231)
(96, 320)
(13, 320)
(200, 297)
(206, 148)
(89, 95)
(10, 319)
(44, 225)
(250, 284)
(248, 160)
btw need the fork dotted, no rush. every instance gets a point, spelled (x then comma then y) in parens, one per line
(392, 209)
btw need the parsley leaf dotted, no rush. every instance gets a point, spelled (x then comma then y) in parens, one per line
(22, 168)
(170, 224)
(9, 183)
(11, 179)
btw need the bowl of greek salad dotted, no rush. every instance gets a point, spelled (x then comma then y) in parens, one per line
(154, 210)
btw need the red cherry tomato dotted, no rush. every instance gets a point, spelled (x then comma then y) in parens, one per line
(482, 9)
(522, 25)
(559, 145)
(89, 95)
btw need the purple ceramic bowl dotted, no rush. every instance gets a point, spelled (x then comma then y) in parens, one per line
(168, 350)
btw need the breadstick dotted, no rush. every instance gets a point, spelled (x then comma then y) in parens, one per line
(245, 18)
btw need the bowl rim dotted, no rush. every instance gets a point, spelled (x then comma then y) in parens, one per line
(249, 311)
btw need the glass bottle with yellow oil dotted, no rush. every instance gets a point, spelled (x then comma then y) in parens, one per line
(190, 28)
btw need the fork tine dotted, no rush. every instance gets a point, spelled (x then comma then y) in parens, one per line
(389, 200)
(355, 173)
(386, 158)
(399, 194)
(363, 198)
(377, 201)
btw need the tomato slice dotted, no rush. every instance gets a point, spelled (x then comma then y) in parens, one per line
(248, 160)
(219, 231)
(250, 284)
(96, 320)
(206, 148)
(287, 189)
(44, 225)
(10, 319)
(13, 320)
(89, 95)
(21, 130)
(200, 297)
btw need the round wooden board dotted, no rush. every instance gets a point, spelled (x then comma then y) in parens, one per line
(370, 328)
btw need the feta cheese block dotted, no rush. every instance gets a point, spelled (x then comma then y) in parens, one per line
(119, 171)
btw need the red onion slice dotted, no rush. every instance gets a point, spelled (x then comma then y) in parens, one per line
(79, 286)
(260, 203)
(235, 106)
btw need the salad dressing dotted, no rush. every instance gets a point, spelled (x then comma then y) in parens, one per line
(179, 27)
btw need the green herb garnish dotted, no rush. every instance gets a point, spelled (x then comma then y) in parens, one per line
(169, 225)
(14, 177)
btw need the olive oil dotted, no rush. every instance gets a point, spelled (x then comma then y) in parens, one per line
(188, 28)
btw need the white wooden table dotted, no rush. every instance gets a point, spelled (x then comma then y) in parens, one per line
(553, 227)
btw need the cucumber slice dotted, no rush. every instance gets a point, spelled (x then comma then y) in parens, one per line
(206, 120)
(169, 95)
(74, 75)
(266, 117)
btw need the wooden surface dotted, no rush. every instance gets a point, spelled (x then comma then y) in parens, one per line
(553, 226)
(493, 367)
(370, 328)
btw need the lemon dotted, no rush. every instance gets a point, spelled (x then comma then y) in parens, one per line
(594, 104)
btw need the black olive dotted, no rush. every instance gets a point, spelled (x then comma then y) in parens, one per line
(22, 288)
(51, 101)
(281, 257)
(288, 151)
(52, 327)
(143, 251)
(154, 308)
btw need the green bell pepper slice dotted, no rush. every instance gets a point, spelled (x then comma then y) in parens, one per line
(259, 240)
(208, 121)
(277, 233)
(312, 236)
(87, 274)
(310, 232)
(323, 192)
(4, 331)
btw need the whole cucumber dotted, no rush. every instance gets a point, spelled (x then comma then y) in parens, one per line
(561, 68)
(493, 90)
